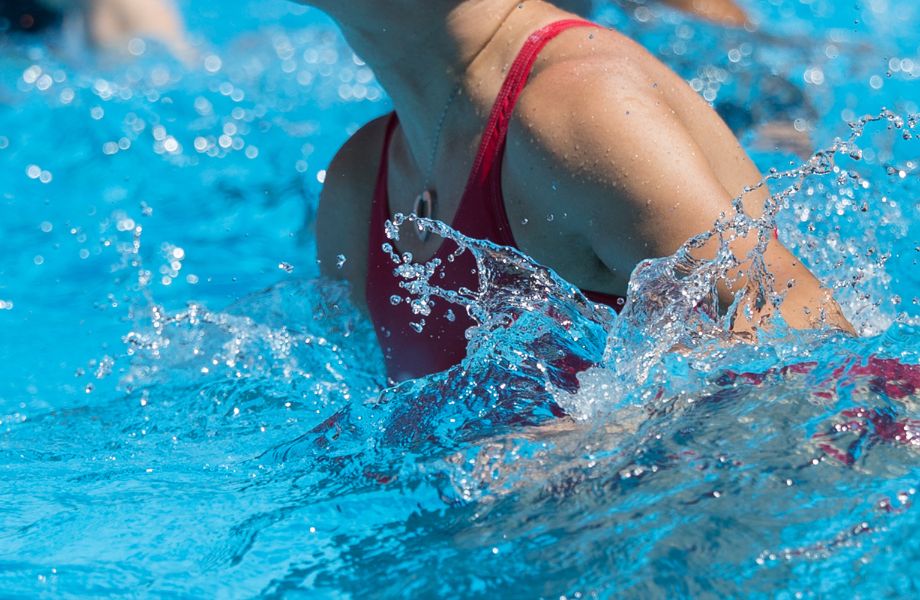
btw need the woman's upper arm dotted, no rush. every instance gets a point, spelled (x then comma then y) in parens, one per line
(640, 185)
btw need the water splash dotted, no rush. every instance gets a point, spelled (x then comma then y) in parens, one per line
(774, 466)
(673, 301)
(561, 406)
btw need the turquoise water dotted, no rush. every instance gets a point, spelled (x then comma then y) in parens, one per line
(185, 410)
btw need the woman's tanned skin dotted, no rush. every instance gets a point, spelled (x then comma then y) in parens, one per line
(628, 160)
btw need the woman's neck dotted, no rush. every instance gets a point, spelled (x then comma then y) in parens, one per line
(420, 51)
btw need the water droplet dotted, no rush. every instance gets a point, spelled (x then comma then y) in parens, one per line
(551, 217)
(395, 300)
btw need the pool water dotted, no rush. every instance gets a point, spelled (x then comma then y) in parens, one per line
(187, 410)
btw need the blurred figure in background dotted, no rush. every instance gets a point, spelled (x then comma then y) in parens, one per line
(108, 24)
(725, 12)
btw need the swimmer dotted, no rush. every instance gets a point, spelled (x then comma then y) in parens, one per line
(521, 123)
(109, 24)
(723, 12)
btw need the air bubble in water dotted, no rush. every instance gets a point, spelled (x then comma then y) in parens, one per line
(286, 267)
(340, 261)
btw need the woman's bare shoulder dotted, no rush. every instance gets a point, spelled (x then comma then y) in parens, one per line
(354, 167)
(344, 212)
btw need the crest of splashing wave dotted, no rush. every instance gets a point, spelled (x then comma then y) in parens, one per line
(301, 333)
(672, 301)
(539, 348)
(648, 419)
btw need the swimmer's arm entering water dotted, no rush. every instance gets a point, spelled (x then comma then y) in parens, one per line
(640, 164)
(113, 23)
(725, 12)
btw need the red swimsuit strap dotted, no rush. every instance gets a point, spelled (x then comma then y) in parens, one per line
(492, 146)
(496, 130)
(485, 183)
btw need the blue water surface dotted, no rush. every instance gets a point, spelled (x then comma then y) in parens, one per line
(186, 410)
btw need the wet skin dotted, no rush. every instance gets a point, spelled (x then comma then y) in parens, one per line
(611, 157)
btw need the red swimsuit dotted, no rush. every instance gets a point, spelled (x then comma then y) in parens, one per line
(481, 214)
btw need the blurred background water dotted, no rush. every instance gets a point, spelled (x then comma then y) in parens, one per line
(185, 410)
